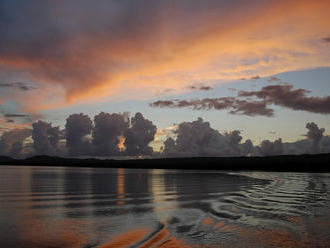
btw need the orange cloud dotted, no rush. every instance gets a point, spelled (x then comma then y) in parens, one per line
(172, 47)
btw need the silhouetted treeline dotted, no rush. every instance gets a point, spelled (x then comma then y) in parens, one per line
(296, 163)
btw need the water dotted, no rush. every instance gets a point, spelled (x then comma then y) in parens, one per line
(57, 207)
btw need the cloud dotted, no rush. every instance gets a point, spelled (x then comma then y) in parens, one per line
(11, 141)
(203, 88)
(45, 138)
(274, 79)
(118, 135)
(315, 134)
(255, 77)
(19, 85)
(108, 128)
(141, 132)
(77, 127)
(281, 95)
(198, 138)
(15, 115)
(244, 107)
(268, 148)
(91, 51)
(251, 108)
(286, 96)
(326, 39)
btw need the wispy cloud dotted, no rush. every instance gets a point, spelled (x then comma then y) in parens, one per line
(18, 85)
(236, 106)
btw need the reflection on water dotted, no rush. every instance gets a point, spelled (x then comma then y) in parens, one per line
(85, 207)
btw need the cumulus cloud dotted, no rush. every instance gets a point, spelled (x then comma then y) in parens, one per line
(45, 138)
(198, 138)
(315, 134)
(141, 132)
(108, 128)
(268, 148)
(11, 142)
(77, 127)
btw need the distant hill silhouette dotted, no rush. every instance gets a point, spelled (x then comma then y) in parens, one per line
(295, 163)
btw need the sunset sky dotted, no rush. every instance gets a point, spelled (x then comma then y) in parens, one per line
(258, 66)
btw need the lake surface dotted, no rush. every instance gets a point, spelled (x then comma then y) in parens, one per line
(57, 207)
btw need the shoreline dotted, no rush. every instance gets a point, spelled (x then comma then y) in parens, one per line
(283, 163)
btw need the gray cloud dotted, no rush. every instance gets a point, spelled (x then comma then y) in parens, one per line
(274, 79)
(15, 115)
(244, 107)
(106, 132)
(281, 95)
(77, 127)
(286, 96)
(255, 77)
(139, 135)
(11, 141)
(203, 88)
(18, 85)
(326, 39)
(198, 138)
(268, 148)
(315, 134)
(45, 138)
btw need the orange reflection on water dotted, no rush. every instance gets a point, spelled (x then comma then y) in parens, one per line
(207, 221)
(120, 185)
(63, 233)
(157, 239)
(127, 239)
(161, 239)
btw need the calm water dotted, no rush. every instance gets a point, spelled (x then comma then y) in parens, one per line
(82, 207)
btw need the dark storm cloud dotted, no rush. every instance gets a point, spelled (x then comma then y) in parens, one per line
(286, 96)
(45, 138)
(77, 127)
(315, 134)
(141, 132)
(107, 131)
(243, 107)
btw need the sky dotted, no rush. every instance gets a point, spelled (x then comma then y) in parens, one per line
(258, 66)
